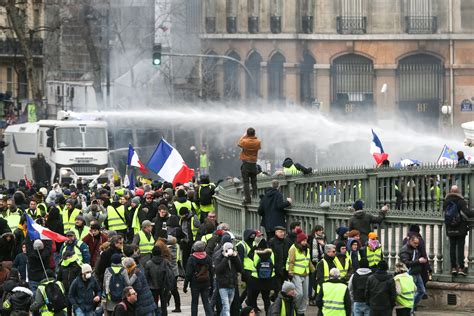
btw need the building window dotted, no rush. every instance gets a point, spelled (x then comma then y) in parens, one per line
(307, 16)
(420, 18)
(307, 79)
(10, 79)
(209, 78)
(352, 18)
(420, 88)
(232, 78)
(22, 85)
(231, 11)
(275, 16)
(253, 13)
(276, 76)
(253, 65)
(352, 80)
(193, 16)
(210, 22)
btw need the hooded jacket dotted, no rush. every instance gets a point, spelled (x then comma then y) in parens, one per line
(358, 284)
(466, 213)
(192, 268)
(155, 271)
(34, 267)
(362, 222)
(272, 209)
(226, 269)
(380, 291)
(20, 300)
(82, 293)
(171, 244)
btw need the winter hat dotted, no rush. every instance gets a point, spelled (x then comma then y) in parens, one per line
(358, 205)
(139, 192)
(86, 268)
(116, 258)
(43, 191)
(67, 192)
(334, 273)
(300, 237)
(262, 244)
(80, 217)
(287, 286)
(156, 251)
(95, 226)
(226, 238)
(38, 245)
(199, 246)
(70, 201)
(146, 223)
(373, 244)
(383, 265)
(280, 228)
(246, 311)
(373, 235)
(363, 262)
(340, 231)
(227, 246)
(169, 191)
(181, 193)
(136, 200)
(339, 245)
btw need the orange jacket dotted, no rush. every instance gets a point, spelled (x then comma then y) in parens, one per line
(250, 147)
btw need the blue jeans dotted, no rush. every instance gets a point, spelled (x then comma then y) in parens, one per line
(33, 286)
(227, 295)
(361, 309)
(420, 288)
(78, 311)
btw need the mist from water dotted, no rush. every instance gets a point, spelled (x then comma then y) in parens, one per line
(306, 135)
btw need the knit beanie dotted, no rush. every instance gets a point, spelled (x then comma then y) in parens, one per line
(358, 205)
(116, 258)
(199, 246)
(383, 265)
(136, 200)
(373, 235)
(340, 231)
(156, 251)
(363, 262)
(288, 286)
(300, 237)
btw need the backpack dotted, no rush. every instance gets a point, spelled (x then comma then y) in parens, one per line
(55, 298)
(265, 268)
(206, 198)
(202, 273)
(452, 215)
(116, 285)
(169, 280)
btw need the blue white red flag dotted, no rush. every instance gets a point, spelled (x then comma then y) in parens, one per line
(376, 149)
(134, 161)
(167, 163)
(36, 231)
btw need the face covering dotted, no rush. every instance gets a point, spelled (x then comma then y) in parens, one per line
(88, 275)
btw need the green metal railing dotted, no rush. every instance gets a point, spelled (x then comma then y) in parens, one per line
(414, 195)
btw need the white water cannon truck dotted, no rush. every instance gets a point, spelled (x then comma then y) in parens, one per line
(74, 149)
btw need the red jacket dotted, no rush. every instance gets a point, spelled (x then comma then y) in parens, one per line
(94, 244)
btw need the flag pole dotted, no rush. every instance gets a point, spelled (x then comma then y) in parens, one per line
(126, 174)
(442, 151)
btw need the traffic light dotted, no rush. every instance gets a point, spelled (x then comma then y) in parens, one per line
(157, 54)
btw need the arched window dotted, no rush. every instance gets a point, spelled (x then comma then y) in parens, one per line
(307, 79)
(253, 84)
(276, 77)
(352, 80)
(420, 87)
(232, 78)
(209, 78)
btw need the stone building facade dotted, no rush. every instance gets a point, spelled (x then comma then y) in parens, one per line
(406, 58)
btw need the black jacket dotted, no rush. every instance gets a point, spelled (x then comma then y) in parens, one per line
(280, 249)
(358, 284)
(34, 266)
(463, 228)
(272, 209)
(81, 293)
(155, 272)
(192, 270)
(67, 274)
(380, 292)
(226, 271)
(410, 257)
(347, 299)
(320, 268)
(105, 262)
(363, 223)
(160, 223)
(152, 210)
(124, 308)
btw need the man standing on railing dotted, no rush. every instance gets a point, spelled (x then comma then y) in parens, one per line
(363, 221)
(272, 209)
(250, 145)
(456, 213)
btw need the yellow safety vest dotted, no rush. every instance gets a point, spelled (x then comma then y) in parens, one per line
(77, 251)
(44, 311)
(407, 287)
(31, 108)
(339, 266)
(205, 208)
(206, 237)
(115, 221)
(333, 299)
(145, 245)
(80, 236)
(291, 171)
(283, 309)
(135, 219)
(256, 261)
(42, 208)
(301, 265)
(374, 257)
(13, 220)
(70, 222)
(203, 162)
(178, 206)
(248, 263)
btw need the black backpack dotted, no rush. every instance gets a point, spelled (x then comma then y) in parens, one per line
(55, 298)
(169, 281)
(452, 216)
(205, 195)
(202, 273)
(116, 285)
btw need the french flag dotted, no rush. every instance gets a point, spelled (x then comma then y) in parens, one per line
(36, 231)
(376, 150)
(134, 161)
(167, 163)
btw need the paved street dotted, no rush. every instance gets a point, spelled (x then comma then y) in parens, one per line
(186, 308)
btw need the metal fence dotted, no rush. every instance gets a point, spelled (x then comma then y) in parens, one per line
(414, 195)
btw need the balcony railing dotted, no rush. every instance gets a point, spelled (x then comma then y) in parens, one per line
(421, 24)
(351, 24)
(11, 47)
(414, 195)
